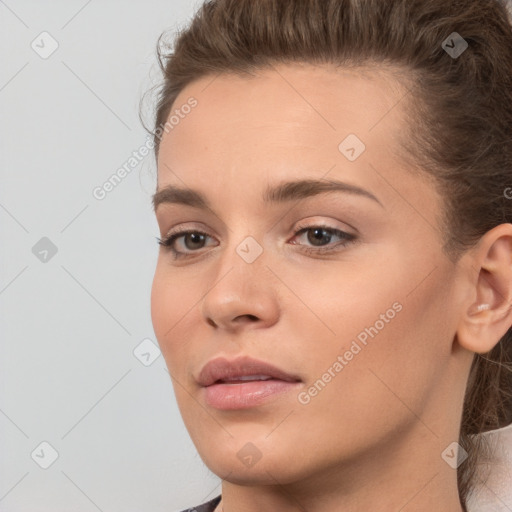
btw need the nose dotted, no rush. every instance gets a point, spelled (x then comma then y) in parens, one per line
(242, 294)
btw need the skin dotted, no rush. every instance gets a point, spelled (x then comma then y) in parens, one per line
(372, 439)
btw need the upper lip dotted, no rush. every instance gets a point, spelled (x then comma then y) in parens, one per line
(221, 368)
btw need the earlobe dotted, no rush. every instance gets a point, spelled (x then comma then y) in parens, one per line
(486, 320)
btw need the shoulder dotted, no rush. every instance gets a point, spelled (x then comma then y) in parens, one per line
(209, 506)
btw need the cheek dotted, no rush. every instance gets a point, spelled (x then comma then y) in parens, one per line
(387, 340)
(347, 299)
(169, 303)
(176, 297)
(362, 393)
(160, 303)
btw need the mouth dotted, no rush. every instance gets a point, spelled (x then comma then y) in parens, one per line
(244, 394)
(243, 383)
(244, 378)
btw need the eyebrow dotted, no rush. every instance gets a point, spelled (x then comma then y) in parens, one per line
(283, 192)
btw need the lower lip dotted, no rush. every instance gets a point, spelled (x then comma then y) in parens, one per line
(247, 394)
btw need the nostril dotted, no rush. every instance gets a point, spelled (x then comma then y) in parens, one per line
(252, 318)
(239, 318)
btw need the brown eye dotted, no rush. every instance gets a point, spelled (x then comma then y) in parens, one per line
(318, 235)
(193, 240)
(188, 242)
(319, 239)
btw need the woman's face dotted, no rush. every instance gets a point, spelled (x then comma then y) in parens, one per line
(348, 290)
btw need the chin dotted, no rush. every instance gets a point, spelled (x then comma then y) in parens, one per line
(262, 473)
(245, 462)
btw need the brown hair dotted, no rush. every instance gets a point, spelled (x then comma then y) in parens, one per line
(459, 111)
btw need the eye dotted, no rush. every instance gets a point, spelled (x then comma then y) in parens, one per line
(190, 241)
(184, 243)
(320, 238)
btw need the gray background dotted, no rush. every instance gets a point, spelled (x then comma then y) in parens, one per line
(70, 323)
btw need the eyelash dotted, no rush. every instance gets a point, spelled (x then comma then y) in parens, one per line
(347, 238)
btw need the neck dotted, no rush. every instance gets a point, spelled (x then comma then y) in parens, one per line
(404, 476)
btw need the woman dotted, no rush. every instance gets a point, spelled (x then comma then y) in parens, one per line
(333, 289)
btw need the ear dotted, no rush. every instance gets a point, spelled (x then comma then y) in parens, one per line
(487, 315)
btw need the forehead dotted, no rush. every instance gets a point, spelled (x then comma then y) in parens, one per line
(297, 105)
(292, 121)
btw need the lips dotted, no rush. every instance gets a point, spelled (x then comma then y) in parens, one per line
(241, 369)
